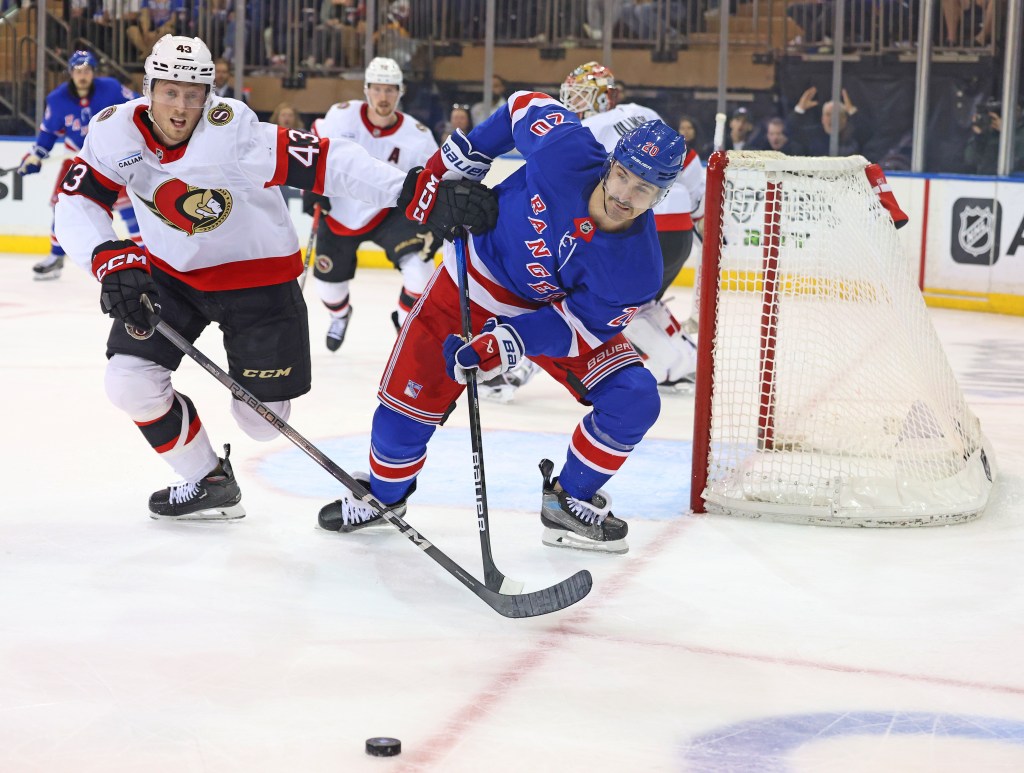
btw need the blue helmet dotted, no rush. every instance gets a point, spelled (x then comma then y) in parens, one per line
(652, 151)
(82, 58)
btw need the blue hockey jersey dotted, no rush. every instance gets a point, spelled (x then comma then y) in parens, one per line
(67, 115)
(586, 284)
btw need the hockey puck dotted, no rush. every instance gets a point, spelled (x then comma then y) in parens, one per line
(383, 747)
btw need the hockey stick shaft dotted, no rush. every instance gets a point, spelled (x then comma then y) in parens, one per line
(493, 576)
(309, 246)
(540, 602)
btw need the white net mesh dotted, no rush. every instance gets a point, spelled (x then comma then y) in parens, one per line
(833, 401)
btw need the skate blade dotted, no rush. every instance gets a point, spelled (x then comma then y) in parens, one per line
(230, 513)
(563, 538)
(348, 528)
(50, 275)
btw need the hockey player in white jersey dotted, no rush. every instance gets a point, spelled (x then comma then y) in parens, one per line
(590, 91)
(398, 139)
(220, 247)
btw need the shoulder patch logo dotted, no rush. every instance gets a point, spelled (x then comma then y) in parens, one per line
(189, 209)
(103, 116)
(220, 115)
(421, 127)
(134, 158)
(343, 105)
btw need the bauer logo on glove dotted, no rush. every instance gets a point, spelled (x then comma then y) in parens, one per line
(495, 350)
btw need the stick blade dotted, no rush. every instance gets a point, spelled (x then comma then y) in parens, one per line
(541, 602)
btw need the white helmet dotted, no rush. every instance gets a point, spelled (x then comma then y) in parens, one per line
(182, 59)
(384, 70)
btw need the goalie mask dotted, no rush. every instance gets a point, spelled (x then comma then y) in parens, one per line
(179, 59)
(589, 89)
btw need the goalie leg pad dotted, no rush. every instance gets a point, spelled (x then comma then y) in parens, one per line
(657, 335)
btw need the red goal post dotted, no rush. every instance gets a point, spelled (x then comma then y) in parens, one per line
(823, 393)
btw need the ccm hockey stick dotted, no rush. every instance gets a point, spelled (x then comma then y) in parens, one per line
(492, 575)
(309, 246)
(541, 602)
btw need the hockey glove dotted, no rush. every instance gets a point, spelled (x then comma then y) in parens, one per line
(310, 200)
(33, 161)
(878, 183)
(128, 292)
(495, 350)
(444, 206)
(456, 160)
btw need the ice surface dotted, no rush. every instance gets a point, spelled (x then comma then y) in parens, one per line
(269, 645)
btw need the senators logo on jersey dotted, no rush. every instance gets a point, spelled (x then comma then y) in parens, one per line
(189, 209)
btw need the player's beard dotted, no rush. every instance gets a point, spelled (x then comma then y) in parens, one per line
(385, 110)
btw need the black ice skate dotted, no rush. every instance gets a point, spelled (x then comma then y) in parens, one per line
(350, 514)
(336, 332)
(49, 267)
(214, 498)
(576, 523)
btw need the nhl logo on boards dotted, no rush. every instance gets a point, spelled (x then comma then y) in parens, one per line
(220, 114)
(975, 231)
(104, 115)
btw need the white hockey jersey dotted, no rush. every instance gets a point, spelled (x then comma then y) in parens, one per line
(207, 211)
(404, 145)
(676, 211)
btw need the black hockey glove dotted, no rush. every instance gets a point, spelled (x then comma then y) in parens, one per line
(310, 200)
(128, 292)
(444, 206)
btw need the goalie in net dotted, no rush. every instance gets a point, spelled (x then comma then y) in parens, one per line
(823, 393)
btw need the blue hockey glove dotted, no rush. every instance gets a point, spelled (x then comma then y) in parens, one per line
(496, 349)
(32, 162)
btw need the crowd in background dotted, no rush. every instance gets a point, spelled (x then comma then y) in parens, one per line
(327, 37)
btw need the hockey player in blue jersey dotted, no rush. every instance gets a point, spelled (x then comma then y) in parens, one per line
(573, 257)
(69, 108)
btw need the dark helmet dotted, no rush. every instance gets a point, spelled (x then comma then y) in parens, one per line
(653, 151)
(80, 59)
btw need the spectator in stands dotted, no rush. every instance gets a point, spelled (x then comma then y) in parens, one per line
(458, 118)
(773, 138)
(688, 128)
(741, 127)
(336, 39)
(981, 154)
(810, 137)
(156, 19)
(287, 116)
(222, 81)
(499, 91)
(968, 22)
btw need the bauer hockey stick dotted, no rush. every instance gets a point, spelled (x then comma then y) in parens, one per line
(541, 602)
(309, 246)
(492, 575)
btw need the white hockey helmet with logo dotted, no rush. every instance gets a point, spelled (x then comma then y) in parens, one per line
(385, 71)
(180, 59)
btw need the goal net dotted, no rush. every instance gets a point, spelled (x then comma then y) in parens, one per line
(823, 393)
